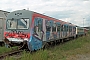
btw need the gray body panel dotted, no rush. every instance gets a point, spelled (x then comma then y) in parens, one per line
(3, 15)
(21, 14)
(17, 15)
(1, 29)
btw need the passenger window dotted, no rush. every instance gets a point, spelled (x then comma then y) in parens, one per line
(48, 28)
(65, 28)
(58, 27)
(62, 28)
(38, 24)
(54, 27)
(69, 29)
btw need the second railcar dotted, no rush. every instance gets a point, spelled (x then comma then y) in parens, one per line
(80, 31)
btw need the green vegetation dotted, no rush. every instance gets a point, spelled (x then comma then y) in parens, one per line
(89, 32)
(4, 49)
(65, 51)
(39, 55)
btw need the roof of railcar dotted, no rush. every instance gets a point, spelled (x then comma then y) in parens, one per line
(4, 11)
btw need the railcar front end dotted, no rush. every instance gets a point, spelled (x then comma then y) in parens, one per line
(19, 30)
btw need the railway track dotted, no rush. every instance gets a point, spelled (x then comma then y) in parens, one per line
(14, 51)
(11, 53)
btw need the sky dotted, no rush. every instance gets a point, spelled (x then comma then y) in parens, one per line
(74, 11)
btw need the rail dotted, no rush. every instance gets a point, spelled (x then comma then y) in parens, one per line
(10, 53)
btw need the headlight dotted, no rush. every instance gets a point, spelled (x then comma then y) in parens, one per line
(26, 39)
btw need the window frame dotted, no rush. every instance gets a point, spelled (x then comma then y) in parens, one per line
(17, 24)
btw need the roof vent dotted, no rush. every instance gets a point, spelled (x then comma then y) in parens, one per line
(24, 9)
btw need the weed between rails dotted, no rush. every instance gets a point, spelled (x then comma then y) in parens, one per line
(4, 49)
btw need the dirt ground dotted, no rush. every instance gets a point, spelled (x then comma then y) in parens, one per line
(84, 53)
(81, 57)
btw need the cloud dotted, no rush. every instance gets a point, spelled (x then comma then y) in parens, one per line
(67, 10)
(60, 14)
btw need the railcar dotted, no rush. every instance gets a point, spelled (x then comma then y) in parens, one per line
(35, 30)
(80, 31)
(3, 15)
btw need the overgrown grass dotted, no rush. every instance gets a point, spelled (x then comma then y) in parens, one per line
(10, 58)
(39, 55)
(71, 48)
(4, 49)
(64, 51)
